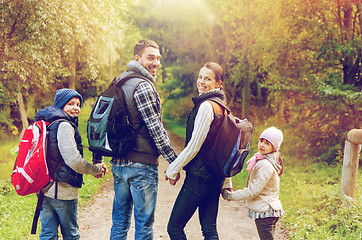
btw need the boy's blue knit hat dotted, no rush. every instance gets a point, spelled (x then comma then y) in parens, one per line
(62, 96)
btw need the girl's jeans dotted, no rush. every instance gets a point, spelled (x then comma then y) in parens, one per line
(57, 212)
(266, 227)
(135, 186)
(196, 193)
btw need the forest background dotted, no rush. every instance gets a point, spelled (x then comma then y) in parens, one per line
(294, 64)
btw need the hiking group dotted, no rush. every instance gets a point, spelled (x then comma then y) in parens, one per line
(135, 159)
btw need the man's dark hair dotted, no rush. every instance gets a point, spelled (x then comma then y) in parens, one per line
(142, 44)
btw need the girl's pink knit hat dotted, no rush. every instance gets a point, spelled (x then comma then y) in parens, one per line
(274, 136)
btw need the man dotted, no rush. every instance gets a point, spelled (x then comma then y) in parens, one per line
(136, 174)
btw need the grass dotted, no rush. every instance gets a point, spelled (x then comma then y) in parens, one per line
(313, 205)
(310, 194)
(16, 212)
(7, 158)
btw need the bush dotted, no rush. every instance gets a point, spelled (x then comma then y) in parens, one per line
(178, 109)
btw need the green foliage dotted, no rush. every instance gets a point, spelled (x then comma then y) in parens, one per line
(177, 109)
(46, 45)
(175, 127)
(7, 157)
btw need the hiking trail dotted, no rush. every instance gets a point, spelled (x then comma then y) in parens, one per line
(95, 219)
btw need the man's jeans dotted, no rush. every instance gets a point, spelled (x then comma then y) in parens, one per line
(57, 212)
(134, 185)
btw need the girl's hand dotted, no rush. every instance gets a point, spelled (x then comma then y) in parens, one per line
(226, 193)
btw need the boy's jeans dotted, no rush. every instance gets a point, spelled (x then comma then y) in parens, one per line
(57, 212)
(134, 185)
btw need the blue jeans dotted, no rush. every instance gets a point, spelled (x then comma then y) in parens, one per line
(135, 186)
(57, 212)
(196, 192)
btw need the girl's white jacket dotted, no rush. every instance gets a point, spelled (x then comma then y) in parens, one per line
(262, 191)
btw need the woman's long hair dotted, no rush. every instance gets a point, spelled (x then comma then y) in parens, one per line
(217, 70)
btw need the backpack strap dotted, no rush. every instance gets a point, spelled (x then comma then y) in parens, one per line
(38, 208)
(57, 169)
(218, 106)
(120, 81)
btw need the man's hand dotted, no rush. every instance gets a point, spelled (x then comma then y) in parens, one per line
(173, 181)
(104, 169)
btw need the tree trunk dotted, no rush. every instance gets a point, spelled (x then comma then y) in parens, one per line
(110, 62)
(23, 114)
(352, 150)
(72, 66)
(347, 31)
(246, 85)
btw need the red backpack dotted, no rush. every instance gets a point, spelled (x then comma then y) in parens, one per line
(31, 173)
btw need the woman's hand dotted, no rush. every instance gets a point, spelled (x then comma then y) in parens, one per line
(173, 181)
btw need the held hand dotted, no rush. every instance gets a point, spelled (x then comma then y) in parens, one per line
(226, 193)
(104, 169)
(100, 175)
(173, 181)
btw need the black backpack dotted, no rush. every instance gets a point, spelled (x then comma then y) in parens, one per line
(109, 130)
(227, 152)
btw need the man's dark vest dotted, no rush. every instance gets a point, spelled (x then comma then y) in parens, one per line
(145, 150)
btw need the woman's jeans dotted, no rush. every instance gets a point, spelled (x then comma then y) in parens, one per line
(135, 186)
(57, 212)
(196, 192)
(266, 227)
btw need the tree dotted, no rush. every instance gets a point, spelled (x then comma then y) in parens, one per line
(46, 45)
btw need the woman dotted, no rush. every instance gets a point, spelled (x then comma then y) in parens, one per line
(201, 188)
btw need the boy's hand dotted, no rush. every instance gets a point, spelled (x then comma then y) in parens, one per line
(103, 172)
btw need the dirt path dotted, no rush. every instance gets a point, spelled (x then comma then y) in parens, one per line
(95, 219)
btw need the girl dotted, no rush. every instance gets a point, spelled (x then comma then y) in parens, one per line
(261, 194)
(201, 188)
(64, 152)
